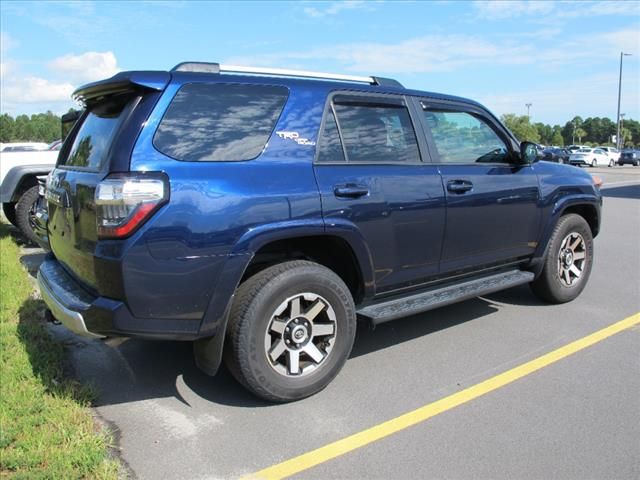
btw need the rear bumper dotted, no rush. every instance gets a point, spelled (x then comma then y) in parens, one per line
(71, 319)
(96, 317)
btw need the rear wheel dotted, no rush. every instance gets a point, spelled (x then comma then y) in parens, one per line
(9, 210)
(611, 163)
(25, 213)
(568, 261)
(291, 330)
(594, 163)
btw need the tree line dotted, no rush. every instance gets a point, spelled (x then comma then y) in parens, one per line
(45, 127)
(590, 131)
(39, 127)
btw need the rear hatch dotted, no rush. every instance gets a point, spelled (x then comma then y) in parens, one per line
(99, 144)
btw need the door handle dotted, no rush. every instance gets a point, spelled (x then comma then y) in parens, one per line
(459, 186)
(350, 191)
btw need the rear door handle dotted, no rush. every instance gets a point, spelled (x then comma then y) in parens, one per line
(350, 191)
(459, 186)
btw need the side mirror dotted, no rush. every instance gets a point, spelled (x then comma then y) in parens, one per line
(528, 152)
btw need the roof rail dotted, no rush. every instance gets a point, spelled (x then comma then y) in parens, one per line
(210, 67)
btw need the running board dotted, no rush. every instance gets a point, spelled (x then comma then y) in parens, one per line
(439, 297)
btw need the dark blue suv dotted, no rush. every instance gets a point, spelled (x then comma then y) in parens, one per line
(259, 213)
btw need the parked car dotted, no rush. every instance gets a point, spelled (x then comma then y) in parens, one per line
(22, 176)
(629, 156)
(259, 212)
(592, 157)
(23, 147)
(613, 153)
(19, 172)
(558, 155)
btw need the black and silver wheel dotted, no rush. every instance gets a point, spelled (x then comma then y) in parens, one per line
(594, 163)
(611, 163)
(26, 213)
(290, 331)
(572, 258)
(568, 261)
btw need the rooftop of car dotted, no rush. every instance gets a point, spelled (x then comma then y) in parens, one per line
(202, 71)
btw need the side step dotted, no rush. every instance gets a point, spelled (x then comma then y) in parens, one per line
(439, 297)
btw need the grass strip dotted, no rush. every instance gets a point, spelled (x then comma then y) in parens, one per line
(46, 427)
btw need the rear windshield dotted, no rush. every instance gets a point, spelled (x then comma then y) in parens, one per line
(94, 137)
(219, 122)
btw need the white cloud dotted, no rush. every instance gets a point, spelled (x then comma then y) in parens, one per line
(447, 53)
(415, 55)
(22, 92)
(537, 9)
(34, 90)
(86, 67)
(333, 8)
(7, 42)
(594, 95)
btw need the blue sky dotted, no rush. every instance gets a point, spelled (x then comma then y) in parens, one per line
(563, 57)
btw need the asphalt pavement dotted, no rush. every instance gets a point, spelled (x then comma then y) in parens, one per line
(576, 418)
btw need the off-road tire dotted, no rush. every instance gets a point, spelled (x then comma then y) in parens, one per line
(255, 302)
(9, 210)
(548, 286)
(24, 207)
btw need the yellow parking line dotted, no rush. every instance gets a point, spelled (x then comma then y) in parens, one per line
(377, 432)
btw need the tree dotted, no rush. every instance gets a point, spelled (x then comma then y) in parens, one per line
(520, 127)
(7, 128)
(545, 132)
(557, 137)
(580, 133)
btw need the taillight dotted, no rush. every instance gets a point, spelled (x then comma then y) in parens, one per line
(125, 201)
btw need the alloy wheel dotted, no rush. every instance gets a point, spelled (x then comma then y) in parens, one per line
(300, 335)
(572, 258)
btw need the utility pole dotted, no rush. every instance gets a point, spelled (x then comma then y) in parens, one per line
(622, 54)
(528, 105)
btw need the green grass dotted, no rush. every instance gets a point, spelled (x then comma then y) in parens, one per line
(46, 426)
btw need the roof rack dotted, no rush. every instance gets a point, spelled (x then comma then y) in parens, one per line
(210, 67)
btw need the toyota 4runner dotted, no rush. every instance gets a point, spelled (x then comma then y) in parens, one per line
(259, 213)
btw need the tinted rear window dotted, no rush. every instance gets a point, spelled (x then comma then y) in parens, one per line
(377, 133)
(219, 122)
(94, 137)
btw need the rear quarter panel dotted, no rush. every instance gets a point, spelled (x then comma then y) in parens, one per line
(200, 242)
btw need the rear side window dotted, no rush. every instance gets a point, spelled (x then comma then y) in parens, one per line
(219, 122)
(377, 133)
(93, 139)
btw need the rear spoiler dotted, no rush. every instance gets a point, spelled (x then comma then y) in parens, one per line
(120, 83)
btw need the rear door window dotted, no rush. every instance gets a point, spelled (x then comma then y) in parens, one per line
(219, 122)
(377, 133)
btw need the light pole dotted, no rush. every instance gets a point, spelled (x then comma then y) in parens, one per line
(528, 105)
(622, 54)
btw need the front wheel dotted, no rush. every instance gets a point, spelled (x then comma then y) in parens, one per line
(594, 163)
(9, 210)
(291, 330)
(611, 163)
(25, 213)
(568, 261)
